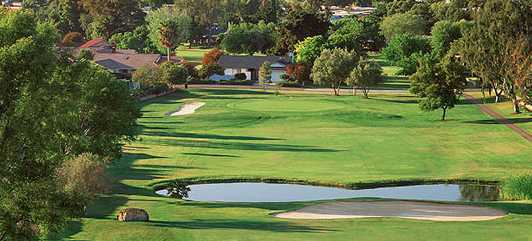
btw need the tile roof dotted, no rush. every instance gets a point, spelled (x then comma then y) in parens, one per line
(126, 60)
(98, 42)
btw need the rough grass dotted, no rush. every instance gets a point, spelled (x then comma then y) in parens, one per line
(517, 188)
(192, 55)
(242, 134)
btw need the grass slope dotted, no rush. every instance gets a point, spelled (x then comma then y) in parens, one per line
(333, 140)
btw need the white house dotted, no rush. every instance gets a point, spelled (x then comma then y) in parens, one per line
(250, 66)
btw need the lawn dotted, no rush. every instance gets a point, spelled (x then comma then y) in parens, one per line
(243, 134)
(192, 55)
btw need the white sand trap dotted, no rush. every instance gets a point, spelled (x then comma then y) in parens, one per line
(187, 109)
(401, 209)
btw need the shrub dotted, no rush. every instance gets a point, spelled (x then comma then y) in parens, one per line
(517, 188)
(83, 177)
(173, 73)
(191, 70)
(299, 72)
(240, 76)
(205, 71)
(72, 39)
(212, 56)
(150, 81)
(86, 54)
(404, 45)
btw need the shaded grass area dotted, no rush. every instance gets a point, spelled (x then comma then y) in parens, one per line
(244, 134)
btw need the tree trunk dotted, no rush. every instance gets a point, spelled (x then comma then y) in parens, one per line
(168, 54)
(444, 113)
(517, 108)
(354, 91)
(498, 95)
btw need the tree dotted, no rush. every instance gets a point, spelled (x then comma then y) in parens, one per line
(444, 33)
(333, 67)
(173, 73)
(309, 49)
(402, 23)
(265, 72)
(170, 22)
(404, 49)
(52, 109)
(72, 39)
(65, 15)
(206, 71)
(438, 84)
(452, 11)
(298, 24)
(212, 56)
(364, 75)
(86, 54)
(247, 38)
(483, 47)
(347, 34)
(106, 17)
(138, 40)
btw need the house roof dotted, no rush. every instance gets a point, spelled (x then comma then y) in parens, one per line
(98, 42)
(126, 60)
(248, 62)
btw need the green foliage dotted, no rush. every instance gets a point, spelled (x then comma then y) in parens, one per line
(86, 54)
(105, 18)
(138, 40)
(444, 33)
(333, 67)
(247, 38)
(309, 49)
(364, 75)
(485, 47)
(517, 188)
(347, 34)
(402, 23)
(206, 71)
(150, 80)
(173, 73)
(51, 109)
(404, 49)
(298, 24)
(265, 72)
(175, 22)
(452, 11)
(64, 14)
(438, 84)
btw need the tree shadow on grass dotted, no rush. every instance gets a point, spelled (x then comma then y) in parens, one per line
(279, 226)
(513, 207)
(243, 146)
(208, 136)
(497, 122)
(208, 155)
(411, 101)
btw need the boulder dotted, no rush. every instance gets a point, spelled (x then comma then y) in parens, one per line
(132, 214)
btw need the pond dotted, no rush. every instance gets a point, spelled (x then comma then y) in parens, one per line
(268, 192)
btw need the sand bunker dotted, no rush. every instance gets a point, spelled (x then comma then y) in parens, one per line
(402, 209)
(187, 109)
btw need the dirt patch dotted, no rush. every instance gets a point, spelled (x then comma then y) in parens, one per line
(401, 209)
(187, 109)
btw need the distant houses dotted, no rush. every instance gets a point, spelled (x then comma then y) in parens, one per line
(250, 66)
(121, 62)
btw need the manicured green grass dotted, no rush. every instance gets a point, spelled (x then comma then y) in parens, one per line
(331, 140)
(193, 55)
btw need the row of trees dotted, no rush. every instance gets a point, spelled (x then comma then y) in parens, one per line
(60, 119)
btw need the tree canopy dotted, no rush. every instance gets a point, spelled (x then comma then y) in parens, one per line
(333, 67)
(402, 23)
(247, 38)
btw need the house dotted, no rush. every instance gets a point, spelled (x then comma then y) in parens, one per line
(12, 5)
(122, 62)
(250, 66)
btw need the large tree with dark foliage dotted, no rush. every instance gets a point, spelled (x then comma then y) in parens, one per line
(51, 111)
(485, 49)
(298, 24)
(103, 18)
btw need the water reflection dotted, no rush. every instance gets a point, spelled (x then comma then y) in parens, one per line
(267, 192)
(477, 192)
